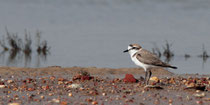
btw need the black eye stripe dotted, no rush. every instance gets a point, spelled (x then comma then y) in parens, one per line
(135, 48)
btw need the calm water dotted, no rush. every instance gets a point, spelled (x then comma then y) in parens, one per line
(95, 32)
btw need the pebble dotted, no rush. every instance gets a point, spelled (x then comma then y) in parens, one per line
(157, 102)
(2, 86)
(70, 94)
(199, 102)
(199, 95)
(42, 97)
(94, 103)
(197, 91)
(10, 81)
(63, 103)
(60, 82)
(50, 94)
(104, 94)
(55, 100)
(74, 86)
(184, 81)
(14, 104)
(129, 78)
(9, 92)
(156, 79)
(170, 101)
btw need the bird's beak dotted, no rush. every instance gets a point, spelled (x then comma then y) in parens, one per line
(125, 51)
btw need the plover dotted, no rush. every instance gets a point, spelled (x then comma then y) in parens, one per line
(145, 59)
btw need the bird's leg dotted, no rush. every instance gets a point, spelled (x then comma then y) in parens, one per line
(150, 73)
(145, 79)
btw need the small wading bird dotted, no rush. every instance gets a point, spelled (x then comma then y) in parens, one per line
(145, 59)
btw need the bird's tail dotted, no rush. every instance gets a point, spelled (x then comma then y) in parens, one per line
(173, 67)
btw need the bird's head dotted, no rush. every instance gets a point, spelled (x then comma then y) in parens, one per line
(133, 48)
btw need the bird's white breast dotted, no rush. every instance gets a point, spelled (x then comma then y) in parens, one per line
(138, 63)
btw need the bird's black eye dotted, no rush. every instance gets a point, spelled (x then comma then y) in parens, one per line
(135, 48)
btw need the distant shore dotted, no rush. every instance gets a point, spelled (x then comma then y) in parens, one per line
(53, 70)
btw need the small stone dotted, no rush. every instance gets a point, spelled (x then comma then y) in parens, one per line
(74, 86)
(157, 102)
(42, 97)
(184, 81)
(199, 95)
(60, 82)
(55, 100)
(197, 91)
(16, 95)
(81, 88)
(31, 89)
(15, 89)
(50, 94)
(70, 94)
(104, 94)
(128, 100)
(170, 101)
(82, 77)
(188, 98)
(86, 78)
(199, 102)
(10, 81)
(141, 104)
(52, 78)
(2, 86)
(172, 81)
(61, 79)
(164, 98)
(112, 91)
(45, 87)
(14, 104)
(117, 98)
(93, 92)
(156, 79)
(63, 103)
(89, 100)
(9, 92)
(130, 78)
(94, 103)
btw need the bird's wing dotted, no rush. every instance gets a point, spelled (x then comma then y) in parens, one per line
(149, 58)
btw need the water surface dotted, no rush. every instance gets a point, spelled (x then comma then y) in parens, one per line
(95, 32)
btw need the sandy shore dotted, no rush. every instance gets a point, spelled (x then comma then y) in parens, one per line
(103, 86)
(57, 70)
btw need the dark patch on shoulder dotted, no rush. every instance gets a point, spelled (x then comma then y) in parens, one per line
(136, 54)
